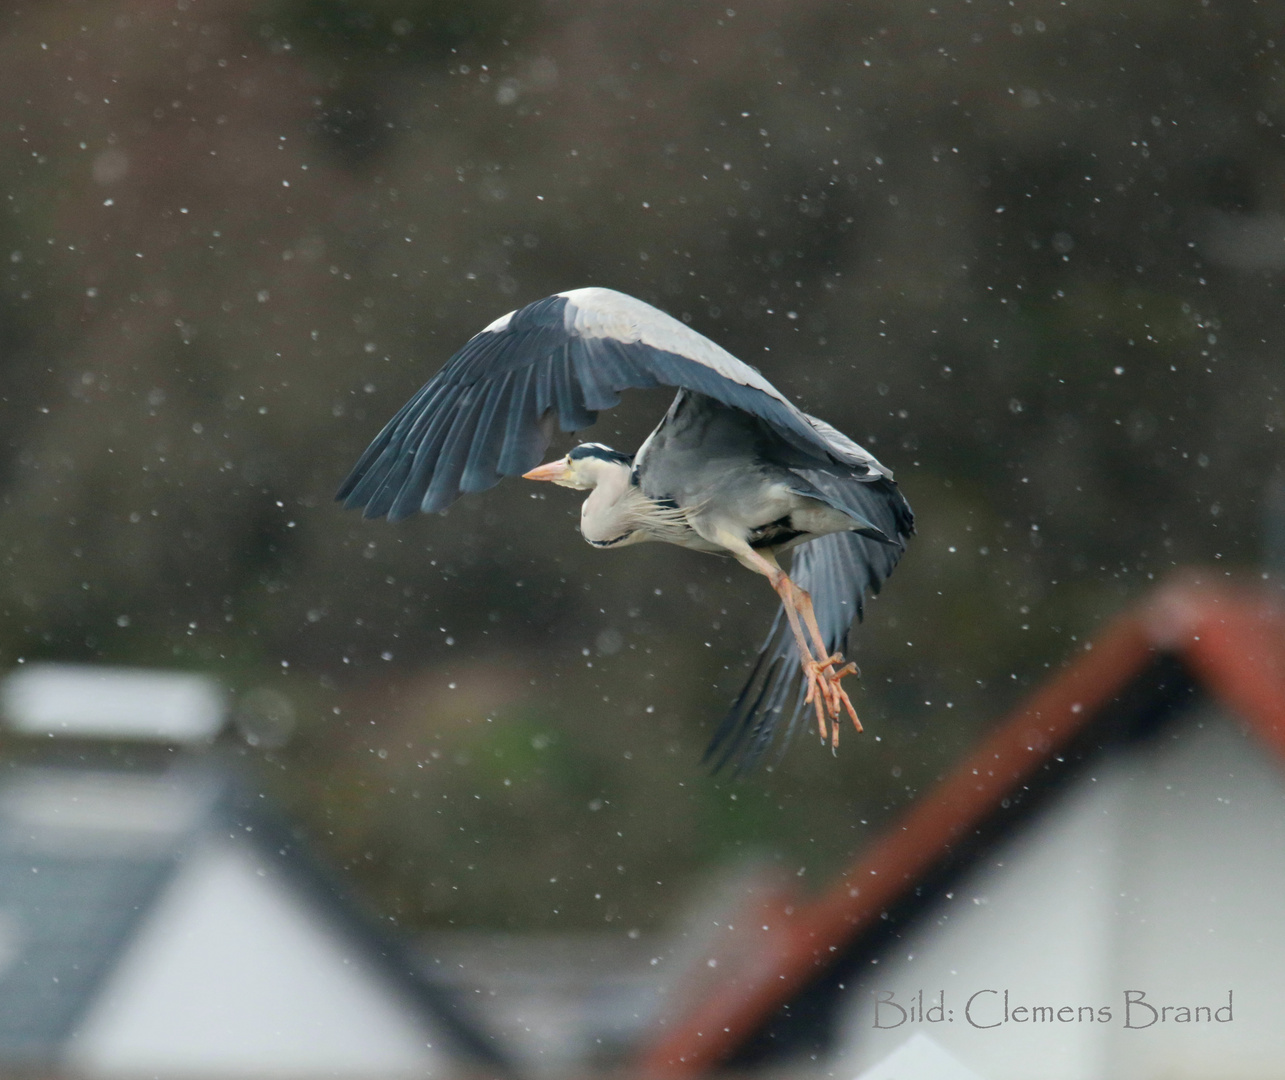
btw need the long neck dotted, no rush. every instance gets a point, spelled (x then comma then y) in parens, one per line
(607, 517)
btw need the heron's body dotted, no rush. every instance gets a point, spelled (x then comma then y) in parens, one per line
(733, 469)
(705, 471)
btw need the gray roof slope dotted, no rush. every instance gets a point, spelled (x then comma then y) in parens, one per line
(66, 918)
(83, 856)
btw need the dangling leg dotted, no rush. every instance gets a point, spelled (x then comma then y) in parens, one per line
(824, 691)
(819, 693)
(813, 668)
(835, 673)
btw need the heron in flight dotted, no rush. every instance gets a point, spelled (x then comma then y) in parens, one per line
(733, 468)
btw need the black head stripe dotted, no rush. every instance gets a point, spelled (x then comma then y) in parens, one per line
(602, 453)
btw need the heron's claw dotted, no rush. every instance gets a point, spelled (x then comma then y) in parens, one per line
(841, 699)
(827, 695)
(817, 695)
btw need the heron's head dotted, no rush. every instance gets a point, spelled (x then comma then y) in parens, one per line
(584, 468)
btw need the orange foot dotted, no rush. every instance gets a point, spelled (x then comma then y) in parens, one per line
(819, 693)
(827, 695)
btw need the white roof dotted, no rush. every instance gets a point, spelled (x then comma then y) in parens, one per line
(1157, 872)
(86, 701)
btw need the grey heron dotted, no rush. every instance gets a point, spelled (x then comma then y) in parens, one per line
(734, 468)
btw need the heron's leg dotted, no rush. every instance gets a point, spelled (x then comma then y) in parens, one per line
(819, 694)
(830, 668)
(834, 672)
(830, 674)
(821, 687)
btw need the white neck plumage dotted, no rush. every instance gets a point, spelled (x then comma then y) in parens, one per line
(608, 517)
(617, 513)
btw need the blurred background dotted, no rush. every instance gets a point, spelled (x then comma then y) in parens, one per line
(1028, 253)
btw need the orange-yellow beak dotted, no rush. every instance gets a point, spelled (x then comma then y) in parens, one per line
(554, 470)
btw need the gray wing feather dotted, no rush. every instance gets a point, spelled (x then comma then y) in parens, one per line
(484, 455)
(838, 571)
(567, 356)
(522, 441)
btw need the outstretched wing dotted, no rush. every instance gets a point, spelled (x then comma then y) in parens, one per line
(489, 412)
(837, 570)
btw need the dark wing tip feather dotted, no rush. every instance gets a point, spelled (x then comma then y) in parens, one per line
(734, 728)
(771, 696)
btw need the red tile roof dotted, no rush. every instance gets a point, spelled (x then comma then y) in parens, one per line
(1230, 640)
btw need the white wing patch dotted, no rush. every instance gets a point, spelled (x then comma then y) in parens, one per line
(500, 324)
(605, 313)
